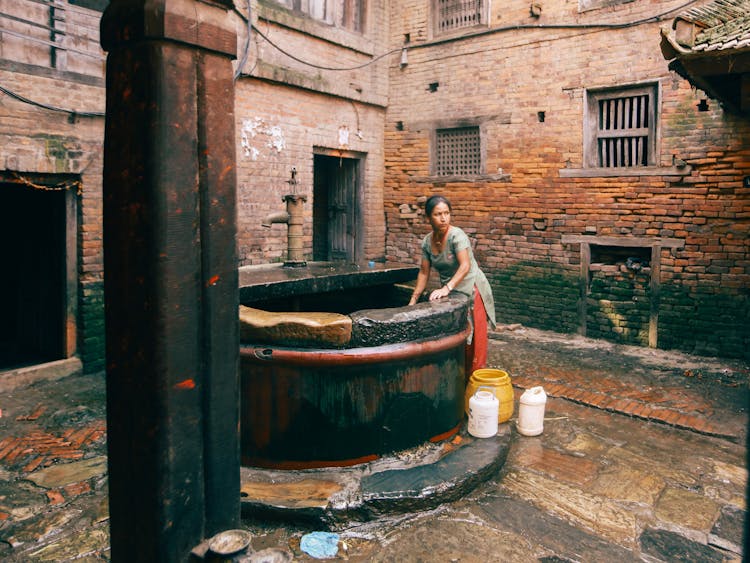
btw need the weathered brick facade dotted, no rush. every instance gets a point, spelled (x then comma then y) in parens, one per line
(61, 145)
(553, 235)
(537, 192)
(38, 143)
(288, 111)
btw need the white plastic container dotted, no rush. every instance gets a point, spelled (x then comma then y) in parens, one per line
(483, 413)
(531, 411)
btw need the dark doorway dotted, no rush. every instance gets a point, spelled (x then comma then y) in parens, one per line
(336, 221)
(32, 287)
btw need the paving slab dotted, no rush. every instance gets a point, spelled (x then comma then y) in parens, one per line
(555, 537)
(728, 530)
(665, 545)
(69, 473)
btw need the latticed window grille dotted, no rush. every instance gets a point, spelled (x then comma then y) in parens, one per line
(455, 14)
(623, 131)
(458, 152)
(622, 128)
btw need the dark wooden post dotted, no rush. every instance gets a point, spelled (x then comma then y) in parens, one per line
(171, 294)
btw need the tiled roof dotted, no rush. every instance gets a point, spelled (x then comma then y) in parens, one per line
(726, 23)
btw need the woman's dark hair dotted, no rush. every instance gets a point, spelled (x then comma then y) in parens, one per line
(432, 201)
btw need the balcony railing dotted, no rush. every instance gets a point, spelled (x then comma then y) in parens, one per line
(51, 33)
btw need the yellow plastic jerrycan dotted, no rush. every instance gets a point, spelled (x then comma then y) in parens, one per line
(499, 382)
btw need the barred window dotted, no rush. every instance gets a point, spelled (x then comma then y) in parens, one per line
(458, 152)
(457, 14)
(317, 9)
(621, 128)
(353, 15)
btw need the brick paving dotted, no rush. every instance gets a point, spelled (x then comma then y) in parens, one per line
(40, 448)
(686, 392)
(634, 403)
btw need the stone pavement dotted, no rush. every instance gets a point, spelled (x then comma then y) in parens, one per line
(656, 471)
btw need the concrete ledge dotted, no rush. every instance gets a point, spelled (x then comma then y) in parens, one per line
(28, 375)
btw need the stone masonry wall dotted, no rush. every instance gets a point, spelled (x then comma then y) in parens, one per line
(536, 189)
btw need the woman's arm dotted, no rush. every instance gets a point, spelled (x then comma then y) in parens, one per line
(422, 277)
(464, 265)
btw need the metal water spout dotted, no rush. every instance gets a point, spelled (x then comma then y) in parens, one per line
(294, 219)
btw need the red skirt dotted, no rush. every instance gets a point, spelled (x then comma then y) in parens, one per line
(476, 352)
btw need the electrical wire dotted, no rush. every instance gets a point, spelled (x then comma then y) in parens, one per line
(313, 65)
(71, 112)
(246, 49)
(582, 26)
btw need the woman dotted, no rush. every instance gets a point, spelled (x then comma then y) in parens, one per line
(449, 250)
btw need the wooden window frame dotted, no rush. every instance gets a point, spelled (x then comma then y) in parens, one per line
(436, 165)
(354, 15)
(592, 133)
(438, 26)
(345, 14)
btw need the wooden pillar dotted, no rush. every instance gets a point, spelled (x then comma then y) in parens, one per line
(171, 282)
(655, 287)
(583, 288)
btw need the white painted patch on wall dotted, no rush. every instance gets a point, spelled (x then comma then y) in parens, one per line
(343, 136)
(256, 127)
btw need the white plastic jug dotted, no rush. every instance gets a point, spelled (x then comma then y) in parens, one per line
(531, 411)
(483, 412)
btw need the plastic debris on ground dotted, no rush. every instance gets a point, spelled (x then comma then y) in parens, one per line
(321, 545)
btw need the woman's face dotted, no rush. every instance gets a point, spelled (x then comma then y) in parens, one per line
(440, 218)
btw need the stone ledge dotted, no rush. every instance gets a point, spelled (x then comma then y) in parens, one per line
(417, 479)
(295, 329)
(50, 371)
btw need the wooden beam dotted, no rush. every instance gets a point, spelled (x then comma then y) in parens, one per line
(623, 241)
(655, 301)
(583, 284)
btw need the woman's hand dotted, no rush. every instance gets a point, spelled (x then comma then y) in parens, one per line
(440, 293)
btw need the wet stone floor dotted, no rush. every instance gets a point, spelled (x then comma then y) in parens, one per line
(642, 458)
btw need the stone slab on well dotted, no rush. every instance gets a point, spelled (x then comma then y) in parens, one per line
(447, 479)
(416, 479)
(374, 327)
(295, 328)
(259, 283)
(295, 494)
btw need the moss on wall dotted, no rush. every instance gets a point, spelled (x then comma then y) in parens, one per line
(537, 294)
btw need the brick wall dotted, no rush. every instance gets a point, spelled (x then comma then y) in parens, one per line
(287, 111)
(280, 128)
(42, 142)
(536, 189)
